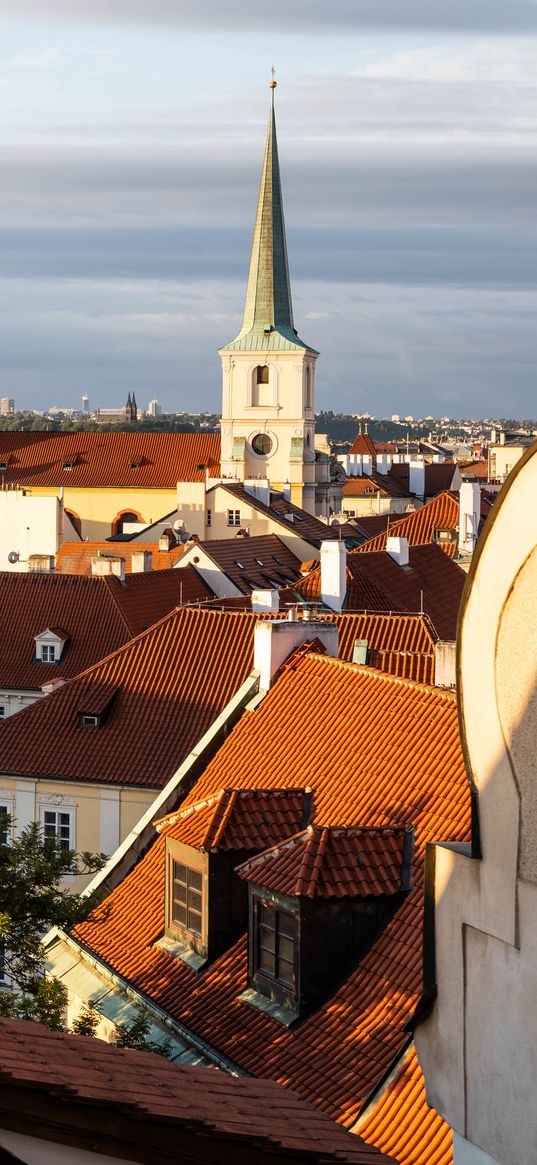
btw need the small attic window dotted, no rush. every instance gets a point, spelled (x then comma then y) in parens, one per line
(3, 465)
(68, 465)
(135, 464)
(239, 564)
(89, 721)
(50, 645)
(260, 562)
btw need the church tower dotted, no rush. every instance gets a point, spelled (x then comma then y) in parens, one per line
(268, 417)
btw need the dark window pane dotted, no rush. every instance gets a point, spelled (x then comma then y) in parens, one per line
(287, 949)
(195, 879)
(286, 972)
(179, 872)
(267, 938)
(287, 924)
(266, 962)
(267, 916)
(179, 913)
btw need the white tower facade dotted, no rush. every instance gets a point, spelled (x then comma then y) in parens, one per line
(268, 397)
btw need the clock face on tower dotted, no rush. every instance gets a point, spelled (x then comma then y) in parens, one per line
(262, 444)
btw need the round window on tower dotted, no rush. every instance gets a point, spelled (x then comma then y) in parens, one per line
(262, 444)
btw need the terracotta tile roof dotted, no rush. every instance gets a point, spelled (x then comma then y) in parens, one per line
(113, 460)
(145, 598)
(365, 445)
(432, 583)
(239, 819)
(372, 483)
(75, 557)
(333, 862)
(261, 562)
(304, 525)
(438, 477)
(472, 470)
(171, 683)
(378, 752)
(401, 1122)
(418, 527)
(137, 1098)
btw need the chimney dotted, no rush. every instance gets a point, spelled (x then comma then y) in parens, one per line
(469, 516)
(105, 565)
(398, 550)
(333, 574)
(266, 602)
(367, 463)
(354, 468)
(141, 561)
(416, 477)
(274, 640)
(259, 488)
(502, 436)
(444, 664)
(40, 563)
(438, 459)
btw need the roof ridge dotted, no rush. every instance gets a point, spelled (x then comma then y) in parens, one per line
(115, 599)
(375, 673)
(226, 803)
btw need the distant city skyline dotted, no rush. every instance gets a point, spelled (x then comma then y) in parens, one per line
(132, 140)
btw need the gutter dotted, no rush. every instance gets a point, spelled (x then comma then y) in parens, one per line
(144, 1002)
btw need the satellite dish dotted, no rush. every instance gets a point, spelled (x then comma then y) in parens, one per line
(179, 524)
(13, 557)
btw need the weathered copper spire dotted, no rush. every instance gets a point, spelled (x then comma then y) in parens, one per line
(268, 314)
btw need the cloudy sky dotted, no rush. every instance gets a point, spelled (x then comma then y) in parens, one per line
(132, 134)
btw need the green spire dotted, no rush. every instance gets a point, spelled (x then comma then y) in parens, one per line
(268, 314)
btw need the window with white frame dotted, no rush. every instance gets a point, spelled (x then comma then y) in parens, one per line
(3, 711)
(209, 517)
(48, 652)
(58, 823)
(233, 517)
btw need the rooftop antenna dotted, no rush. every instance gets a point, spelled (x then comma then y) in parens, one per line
(421, 602)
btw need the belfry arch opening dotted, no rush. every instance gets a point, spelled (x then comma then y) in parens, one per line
(261, 387)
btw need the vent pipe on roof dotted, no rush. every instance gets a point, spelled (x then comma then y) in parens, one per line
(275, 640)
(141, 561)
(104, 566)
(333, 574)
(398, 550)
(469, 516)
(445, 664)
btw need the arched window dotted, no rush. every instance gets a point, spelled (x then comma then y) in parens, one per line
(262, 374)
(261, 392)
(122, 518)
(309, 394)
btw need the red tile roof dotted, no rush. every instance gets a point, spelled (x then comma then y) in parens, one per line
(418, 527)
(378, 752)
(438, 477)
(121, 1098)
(365, 445)
(75, 557)
(108, 460)
(258, 563)
(303, 524)
(432, 583)
(236, 819)
(373, 483)
(171, 683)
(401, 1122)
(332, 862)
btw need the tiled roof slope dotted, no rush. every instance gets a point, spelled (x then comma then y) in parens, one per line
(210, 1115)
(364, 444)
(98, 615)
(170, 685)
(305, 525)
(377, 752)
(108, 460)
(419, 527)
(75, 557)
(332, 862)
(178, 676)
(438, 477)
(372, 483)
(261, 562)
(236, 819)
(401, 1122)
(432, 583)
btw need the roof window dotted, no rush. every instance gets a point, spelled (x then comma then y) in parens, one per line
(239, 564)
(89, 721)
(50, 644)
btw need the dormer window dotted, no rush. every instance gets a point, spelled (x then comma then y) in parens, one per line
(206, 903)
(50, 645)
(316, 902)
(89, 721)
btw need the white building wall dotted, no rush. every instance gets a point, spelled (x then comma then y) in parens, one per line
(28, 525)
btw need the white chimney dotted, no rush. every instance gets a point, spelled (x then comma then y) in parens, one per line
(367, 463)
(275, 640)
(398, 550)
(333, 574)
(40, 563)
(266, 602)
(343, 459)
(416, 477)
(384, 462)
(469, 516)
(105, 565)
(355, 465)
(444, 664)
(141, 561)
(259, 488)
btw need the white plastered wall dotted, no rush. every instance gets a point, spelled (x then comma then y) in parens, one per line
(478, 1049)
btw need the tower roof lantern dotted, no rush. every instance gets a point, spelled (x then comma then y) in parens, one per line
(267, 323)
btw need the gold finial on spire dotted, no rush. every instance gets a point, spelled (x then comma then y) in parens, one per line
(273, 84)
